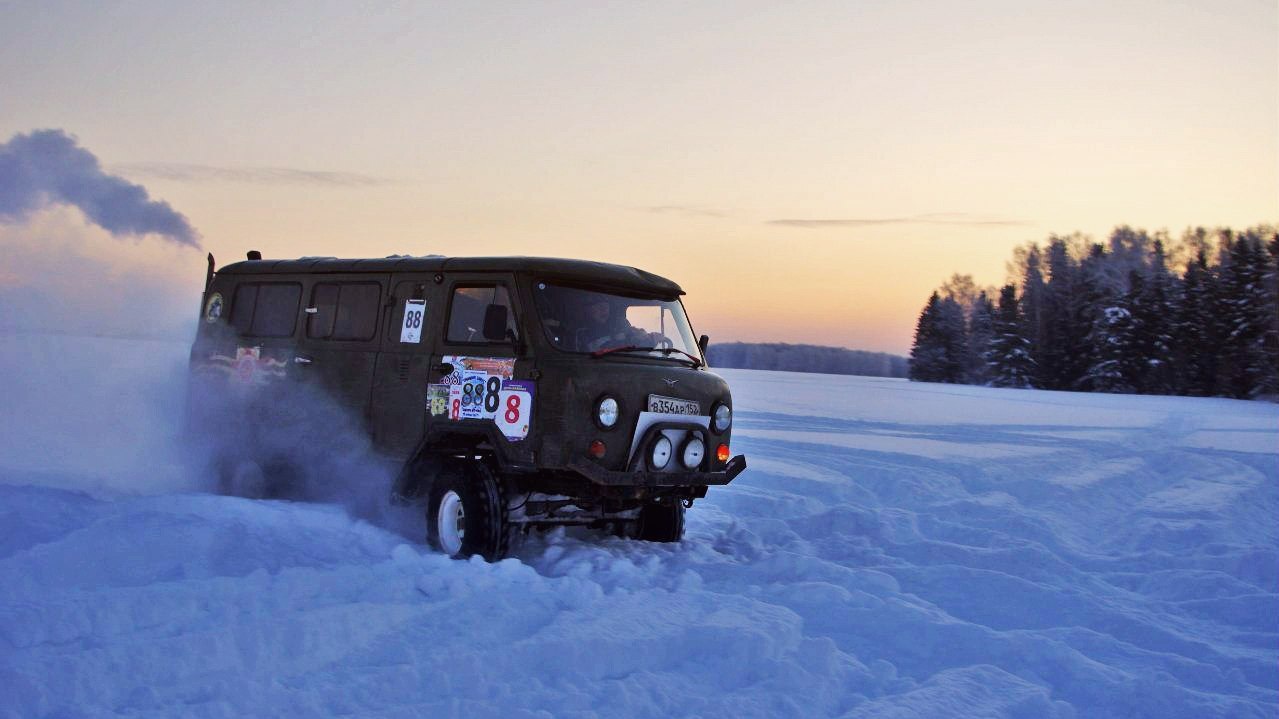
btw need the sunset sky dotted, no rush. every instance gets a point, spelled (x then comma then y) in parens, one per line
(808, 172)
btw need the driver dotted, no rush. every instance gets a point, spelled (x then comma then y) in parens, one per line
(604, 328)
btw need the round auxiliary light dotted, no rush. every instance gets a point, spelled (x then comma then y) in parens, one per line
(660, 456)
(694, 451)
(723, 417)
(722, 453)
(606, 412)
(597, 449)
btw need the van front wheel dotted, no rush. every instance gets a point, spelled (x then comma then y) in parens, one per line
(465, 515)
(661, 522)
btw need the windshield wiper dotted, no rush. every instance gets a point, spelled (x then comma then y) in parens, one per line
(638, 348)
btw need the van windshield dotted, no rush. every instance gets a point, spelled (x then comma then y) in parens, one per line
(581, 320)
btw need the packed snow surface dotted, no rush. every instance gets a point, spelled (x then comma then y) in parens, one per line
(894, 550)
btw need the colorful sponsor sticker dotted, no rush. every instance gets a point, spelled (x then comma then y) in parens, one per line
(501, 367)
(482, 388)
(437, 399)
(455, 402)
(474, 384)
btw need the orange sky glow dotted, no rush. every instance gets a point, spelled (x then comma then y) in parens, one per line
(808, 172)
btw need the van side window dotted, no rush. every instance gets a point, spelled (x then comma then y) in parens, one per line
(266, 309)
(344, 311)
(468, 309)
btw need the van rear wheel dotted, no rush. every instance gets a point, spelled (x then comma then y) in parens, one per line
(661, 522)
(465, 515)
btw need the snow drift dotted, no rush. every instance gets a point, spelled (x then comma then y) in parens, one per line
(895, 550)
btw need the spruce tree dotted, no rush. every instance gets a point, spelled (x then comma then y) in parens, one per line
(1111, 339)
(1032, 306)
(1245, 300)
(981, 331)
(927, 353)
(952, 333)
(1269, 384)
(1153, 315)
(1056, 365)
(1092, 296)
(1009, 357)
(1193, 345)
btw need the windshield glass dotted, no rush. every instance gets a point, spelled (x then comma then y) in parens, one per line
(579, 320)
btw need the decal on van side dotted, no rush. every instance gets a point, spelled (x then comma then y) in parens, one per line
(213, 310)
(249, 367)
(482, 388)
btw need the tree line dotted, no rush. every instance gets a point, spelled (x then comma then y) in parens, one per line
(1118, 316)
(805, 358)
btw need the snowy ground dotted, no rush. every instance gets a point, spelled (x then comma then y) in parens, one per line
(894, 550)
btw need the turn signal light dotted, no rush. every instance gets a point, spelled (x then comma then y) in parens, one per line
(597, 449)
(721, 453)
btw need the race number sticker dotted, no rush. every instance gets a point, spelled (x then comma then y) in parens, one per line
(455, 401)
(414, 316)
(474, 389)
(514, 409)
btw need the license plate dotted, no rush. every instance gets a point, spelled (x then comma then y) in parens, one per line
(670, 405)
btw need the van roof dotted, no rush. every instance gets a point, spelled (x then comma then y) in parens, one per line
(581, 272)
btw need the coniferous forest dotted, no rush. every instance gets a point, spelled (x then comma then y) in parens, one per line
(1138, 313)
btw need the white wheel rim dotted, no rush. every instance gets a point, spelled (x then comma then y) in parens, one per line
(450, 523)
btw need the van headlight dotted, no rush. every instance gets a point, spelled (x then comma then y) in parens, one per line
(722, 417)
(606, 412)
(693, 452)
(660, 455)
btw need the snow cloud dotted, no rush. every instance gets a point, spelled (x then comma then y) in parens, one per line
(48, 167)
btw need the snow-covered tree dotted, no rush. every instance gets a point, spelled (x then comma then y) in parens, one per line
(1269, 386)
(1194, 330)
(1154, 312)
(1112, 342)
(1032, 301)
(927, 355)
(1057, 369)
(981, 331)
(1247, 370)
(1009, 360)
(952, 332)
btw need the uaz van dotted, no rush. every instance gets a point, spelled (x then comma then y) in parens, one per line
(510, 392)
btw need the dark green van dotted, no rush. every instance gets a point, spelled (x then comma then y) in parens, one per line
(509, 392)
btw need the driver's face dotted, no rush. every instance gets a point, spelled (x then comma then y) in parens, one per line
(598, 312)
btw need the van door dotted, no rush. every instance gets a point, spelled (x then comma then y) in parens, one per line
(264, 311)
(338, 346)
(479, 383)
(413, 318)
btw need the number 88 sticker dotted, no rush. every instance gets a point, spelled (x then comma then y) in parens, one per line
(514, 410)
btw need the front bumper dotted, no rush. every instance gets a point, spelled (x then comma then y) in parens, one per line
(609, 478)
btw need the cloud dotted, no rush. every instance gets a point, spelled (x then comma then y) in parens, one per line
(684, 210)
(183, 172)
(934, 218)
(48, 167)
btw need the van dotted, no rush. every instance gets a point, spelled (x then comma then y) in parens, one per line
(509, 393)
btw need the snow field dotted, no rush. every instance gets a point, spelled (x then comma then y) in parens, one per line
(894, 550)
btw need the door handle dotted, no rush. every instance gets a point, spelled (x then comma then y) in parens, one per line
(442, 368)
(302, 359)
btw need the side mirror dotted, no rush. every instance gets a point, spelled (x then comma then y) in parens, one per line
(495, 323)
(703, 342)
